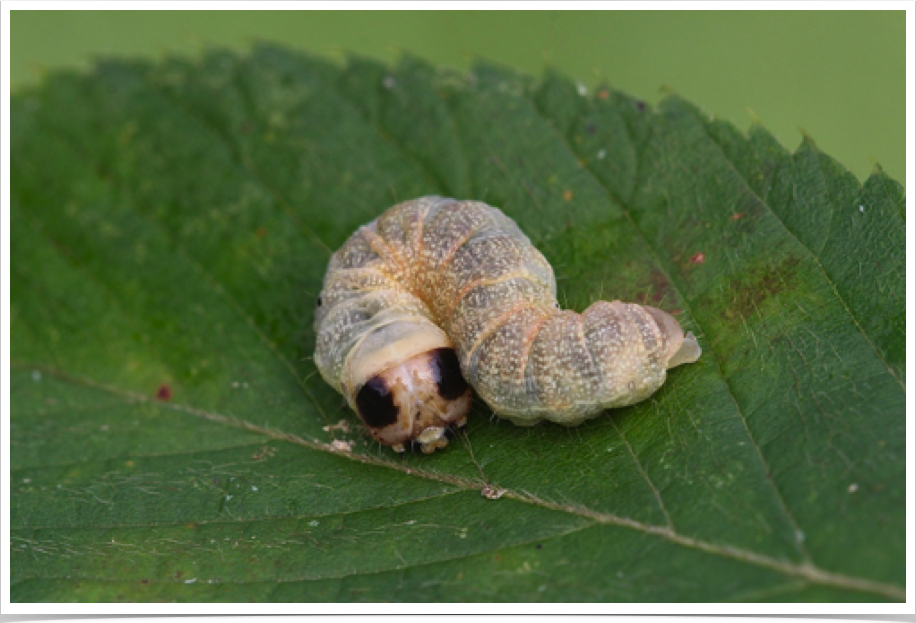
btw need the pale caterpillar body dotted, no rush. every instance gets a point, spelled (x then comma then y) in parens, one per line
(437, 291)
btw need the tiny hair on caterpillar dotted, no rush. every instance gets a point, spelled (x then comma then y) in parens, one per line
(438, 296)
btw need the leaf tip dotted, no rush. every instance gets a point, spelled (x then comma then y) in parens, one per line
(807, 139)
(876, 168)
(755, 120)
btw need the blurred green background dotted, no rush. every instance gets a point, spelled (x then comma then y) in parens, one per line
(840, 75)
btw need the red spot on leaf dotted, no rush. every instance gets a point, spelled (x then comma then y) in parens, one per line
(698, 258)
(737, 216)
(164, 392)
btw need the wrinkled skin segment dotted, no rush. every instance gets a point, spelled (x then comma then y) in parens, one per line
(436, 273)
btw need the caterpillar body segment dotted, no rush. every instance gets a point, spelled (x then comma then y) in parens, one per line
(436, 291)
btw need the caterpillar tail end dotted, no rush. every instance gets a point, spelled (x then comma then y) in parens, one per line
(681, 348)
(688, 352)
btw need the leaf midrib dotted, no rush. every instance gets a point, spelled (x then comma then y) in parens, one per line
(807, 572)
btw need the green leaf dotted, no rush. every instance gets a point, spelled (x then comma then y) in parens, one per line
(171, 440)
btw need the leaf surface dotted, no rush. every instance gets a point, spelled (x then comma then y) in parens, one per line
(171, 440)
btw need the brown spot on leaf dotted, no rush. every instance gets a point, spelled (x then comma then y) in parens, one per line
(567, 195)
(760, 284)
(603, 94)
(698, 258)
(261, 232)
(738, 216)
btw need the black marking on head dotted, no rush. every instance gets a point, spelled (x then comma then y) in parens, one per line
(448, 373)
(375, 404)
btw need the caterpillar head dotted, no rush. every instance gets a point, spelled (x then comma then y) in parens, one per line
(416, 400)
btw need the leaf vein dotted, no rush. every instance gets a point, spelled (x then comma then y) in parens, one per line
(670, 275)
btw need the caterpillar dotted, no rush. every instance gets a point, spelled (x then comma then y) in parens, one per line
(436, 296)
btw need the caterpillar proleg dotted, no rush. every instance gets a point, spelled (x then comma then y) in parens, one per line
(436, 296)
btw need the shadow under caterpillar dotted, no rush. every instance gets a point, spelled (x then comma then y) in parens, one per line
(436, 294)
